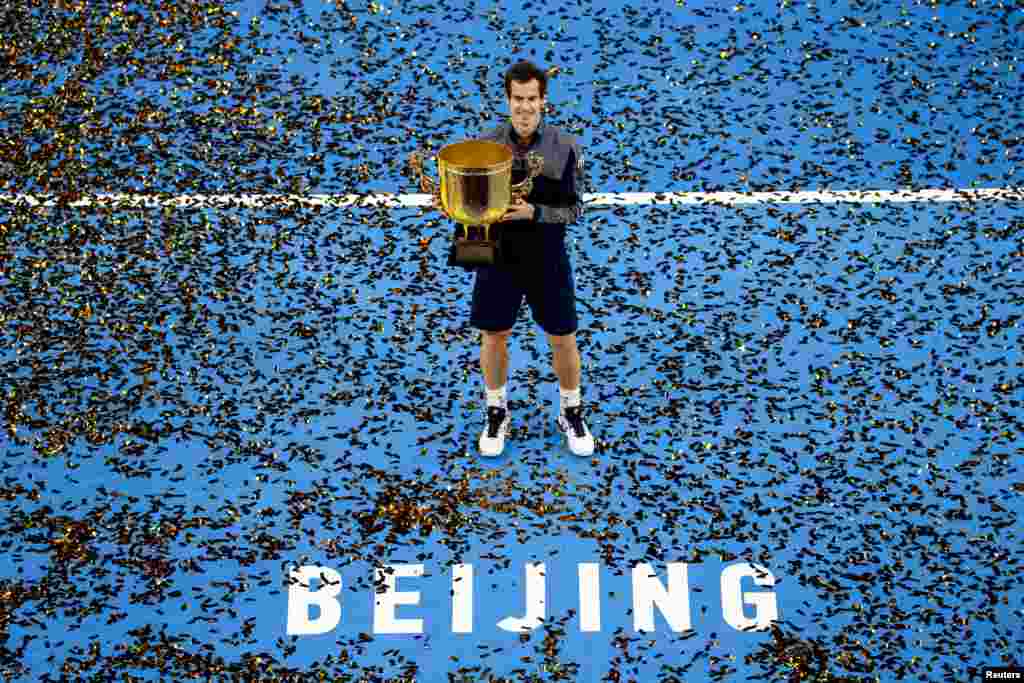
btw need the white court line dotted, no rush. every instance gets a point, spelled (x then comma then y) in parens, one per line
(597, 199)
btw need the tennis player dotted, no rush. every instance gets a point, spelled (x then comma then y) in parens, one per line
(534, 263)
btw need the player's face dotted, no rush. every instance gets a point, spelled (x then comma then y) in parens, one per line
(525, 105)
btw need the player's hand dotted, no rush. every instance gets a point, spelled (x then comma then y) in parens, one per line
(520, 211)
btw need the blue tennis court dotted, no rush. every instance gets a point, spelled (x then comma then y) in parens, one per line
(241, 400)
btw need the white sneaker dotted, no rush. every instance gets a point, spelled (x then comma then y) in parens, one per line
(581, 441)
(492, 441)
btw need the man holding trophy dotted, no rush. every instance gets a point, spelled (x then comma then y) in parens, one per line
(513, 193)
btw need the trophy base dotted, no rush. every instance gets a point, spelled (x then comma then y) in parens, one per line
(476, 253)
(473, 250)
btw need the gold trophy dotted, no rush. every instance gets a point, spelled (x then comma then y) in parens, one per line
(475, 189)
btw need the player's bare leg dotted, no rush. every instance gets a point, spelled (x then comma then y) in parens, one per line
(494, 364)
(565, 358)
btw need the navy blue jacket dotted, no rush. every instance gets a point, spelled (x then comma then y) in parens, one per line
(557, 193)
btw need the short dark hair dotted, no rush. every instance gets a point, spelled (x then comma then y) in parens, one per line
(524, 72)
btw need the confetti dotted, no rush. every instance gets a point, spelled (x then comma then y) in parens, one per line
(194, 396)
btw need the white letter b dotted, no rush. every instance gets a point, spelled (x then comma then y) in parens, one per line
(300, 598)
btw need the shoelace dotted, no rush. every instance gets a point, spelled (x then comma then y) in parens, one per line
(495, 416)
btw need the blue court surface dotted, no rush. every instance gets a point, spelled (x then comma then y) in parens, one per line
(239, 436)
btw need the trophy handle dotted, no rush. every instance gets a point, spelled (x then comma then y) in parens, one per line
(427, 184)
(535, 162)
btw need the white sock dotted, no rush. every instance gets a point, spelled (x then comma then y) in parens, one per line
(568, 399)
(497, 398)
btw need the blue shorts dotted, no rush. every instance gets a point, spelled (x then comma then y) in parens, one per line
(549, 290)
